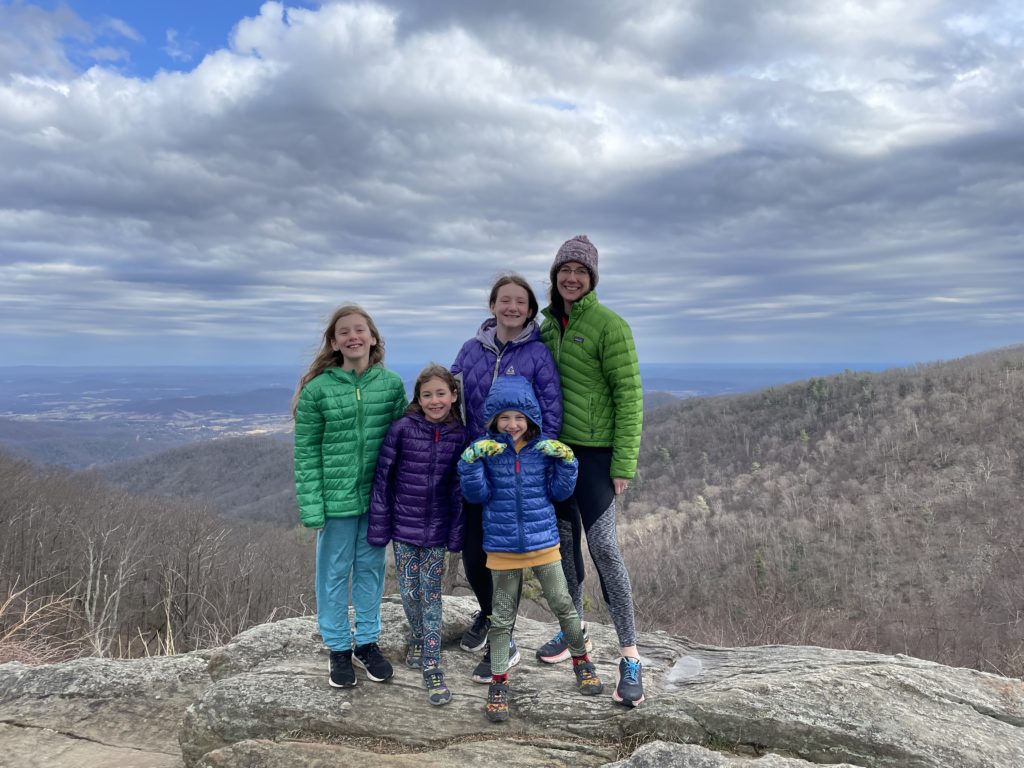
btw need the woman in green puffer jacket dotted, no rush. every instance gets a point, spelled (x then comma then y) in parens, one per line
(345, 404)
(602, 414)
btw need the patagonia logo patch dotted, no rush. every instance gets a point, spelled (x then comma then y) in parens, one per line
(577, 339)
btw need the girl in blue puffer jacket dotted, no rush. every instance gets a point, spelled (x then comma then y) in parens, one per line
(416, 504)
(515, 473)
(508, 343)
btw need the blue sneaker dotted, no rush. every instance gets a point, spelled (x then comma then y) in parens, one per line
(557, 648)
(629, 684)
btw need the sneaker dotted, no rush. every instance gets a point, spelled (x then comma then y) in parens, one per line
(482, 673)
(629, 683)
(437, 691)
(372, 660)
(342, 674)
(557, 648)
(414, 656)
(497, 702)
(475, 638)
(587, 681)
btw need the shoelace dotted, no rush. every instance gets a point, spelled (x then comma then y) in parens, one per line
(559, 638)
(632, 670)
(435, 681)
(478, 621)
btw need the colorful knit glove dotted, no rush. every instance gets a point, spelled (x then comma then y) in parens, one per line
(482, 448)
(555, 449)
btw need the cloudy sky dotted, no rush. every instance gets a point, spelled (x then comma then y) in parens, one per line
(789, 181)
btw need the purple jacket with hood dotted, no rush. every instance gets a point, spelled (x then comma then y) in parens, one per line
(480, 362)
(416, 497)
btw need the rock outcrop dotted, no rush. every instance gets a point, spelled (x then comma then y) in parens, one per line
(263, 700)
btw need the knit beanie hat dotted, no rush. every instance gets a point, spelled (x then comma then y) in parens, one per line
(578, 249)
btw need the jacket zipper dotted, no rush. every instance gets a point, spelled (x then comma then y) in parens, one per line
(519, 507)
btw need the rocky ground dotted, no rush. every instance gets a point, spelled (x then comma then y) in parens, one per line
(263, 701)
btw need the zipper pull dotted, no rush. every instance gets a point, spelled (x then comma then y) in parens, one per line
(517, 466)
(357, 394)
(437, 435)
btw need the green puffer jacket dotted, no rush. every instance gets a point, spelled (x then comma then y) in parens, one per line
(340, 423)
(602, 398)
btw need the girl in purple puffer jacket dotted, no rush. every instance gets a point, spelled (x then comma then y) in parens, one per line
(507, 344)
(417, 505)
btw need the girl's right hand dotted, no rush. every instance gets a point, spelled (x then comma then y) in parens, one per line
(482, 448)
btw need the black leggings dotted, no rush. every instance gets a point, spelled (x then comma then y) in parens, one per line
(474, 559)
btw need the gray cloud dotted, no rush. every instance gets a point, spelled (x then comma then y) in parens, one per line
(787, 182)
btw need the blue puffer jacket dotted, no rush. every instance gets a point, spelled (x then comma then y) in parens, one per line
(479, 364)
(416, 497)
(517, 489)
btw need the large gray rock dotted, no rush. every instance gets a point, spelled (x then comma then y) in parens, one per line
(263, 701)
(96, 712)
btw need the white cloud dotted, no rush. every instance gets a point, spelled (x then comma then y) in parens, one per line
(783, 165)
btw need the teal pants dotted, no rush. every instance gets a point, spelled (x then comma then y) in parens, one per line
(345, 560)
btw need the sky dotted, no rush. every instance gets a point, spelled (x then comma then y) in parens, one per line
(202, 183)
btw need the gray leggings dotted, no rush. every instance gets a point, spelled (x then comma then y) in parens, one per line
(507, 588)
(591, 510)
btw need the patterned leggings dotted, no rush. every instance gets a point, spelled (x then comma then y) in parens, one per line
(419, 580)
(603, 543)
(508, 588)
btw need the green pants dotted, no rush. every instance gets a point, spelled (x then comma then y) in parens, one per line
(506, 603)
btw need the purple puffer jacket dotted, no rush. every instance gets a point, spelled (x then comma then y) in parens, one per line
(479, 363)
(416, 497)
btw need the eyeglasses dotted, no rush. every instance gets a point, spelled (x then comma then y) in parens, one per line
(581, 272)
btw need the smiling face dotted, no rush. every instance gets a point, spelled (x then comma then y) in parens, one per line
(354, 340)
(436, 399)
(511, 308)
(573, 282)
(512, 423)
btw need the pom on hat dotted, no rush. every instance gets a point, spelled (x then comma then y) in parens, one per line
(578, 249)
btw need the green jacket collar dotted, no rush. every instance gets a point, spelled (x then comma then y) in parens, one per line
(578, 307)
(350, 376)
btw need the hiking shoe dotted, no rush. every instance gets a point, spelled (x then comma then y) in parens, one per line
(437, 691)
(342, 674)
(475, 638)
(557, 648)
(414, 655)
(372, 660)
(587, 681)
(629, 683)
(497, 702)
(482, 673)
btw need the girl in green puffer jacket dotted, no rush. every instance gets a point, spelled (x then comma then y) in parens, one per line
(344, 406)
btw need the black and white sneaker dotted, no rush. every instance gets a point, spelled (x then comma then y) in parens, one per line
(482, 673)
(475, 638)
(372, 660)
(342, 674)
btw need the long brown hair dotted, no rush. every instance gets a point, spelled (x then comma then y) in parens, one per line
(327, 357)
(435, 371)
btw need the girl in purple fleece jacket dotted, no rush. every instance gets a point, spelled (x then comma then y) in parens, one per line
(416, 504)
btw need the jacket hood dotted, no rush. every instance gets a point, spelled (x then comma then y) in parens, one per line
(487, 333)
(511, 393)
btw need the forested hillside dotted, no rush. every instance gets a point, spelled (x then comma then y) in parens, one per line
(880, 511)
(86, 568)
(245, 477)
(876, 511)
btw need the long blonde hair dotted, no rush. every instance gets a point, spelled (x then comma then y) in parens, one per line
(327, 357)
